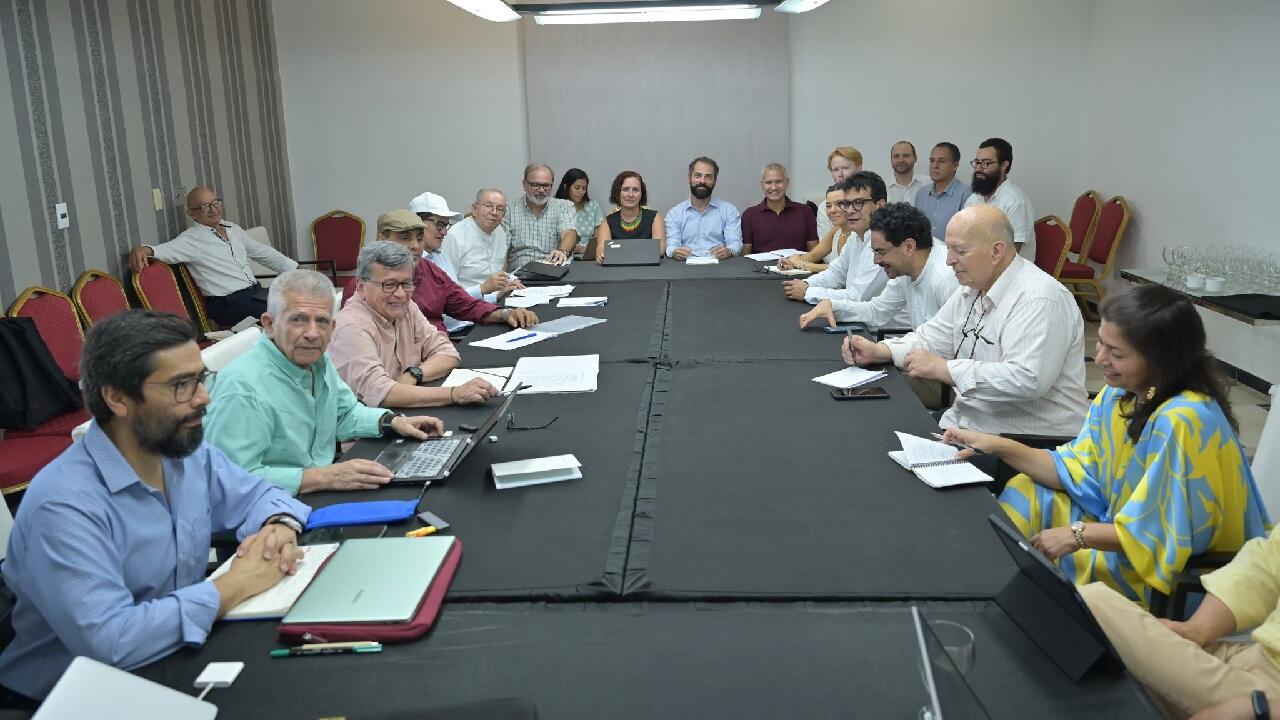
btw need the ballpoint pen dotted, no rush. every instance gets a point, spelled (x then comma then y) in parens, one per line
(522, 337)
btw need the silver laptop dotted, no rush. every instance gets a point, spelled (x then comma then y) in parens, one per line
(635, 251)
(90, 689)
(372, 580)
(416, 461)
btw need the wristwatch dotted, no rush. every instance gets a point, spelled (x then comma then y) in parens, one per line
(288, 521)
(384, 424)
(416, 373)
(1261, 710)
(1077, 529)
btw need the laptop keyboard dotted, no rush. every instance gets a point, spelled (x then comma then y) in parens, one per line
(429, 458)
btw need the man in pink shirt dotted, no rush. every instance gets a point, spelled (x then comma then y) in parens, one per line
(384, 348)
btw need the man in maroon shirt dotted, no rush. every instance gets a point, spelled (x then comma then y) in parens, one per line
(778, 222)
(434, 292)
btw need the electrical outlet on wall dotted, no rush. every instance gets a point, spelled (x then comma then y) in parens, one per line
(64, 217)
(157, 198)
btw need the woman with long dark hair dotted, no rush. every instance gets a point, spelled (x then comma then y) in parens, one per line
(586, 212)
(1156, 475)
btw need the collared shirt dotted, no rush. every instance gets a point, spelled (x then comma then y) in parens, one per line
(1016, 354)
(106, 567)
(940, 206)
(904, 193)
(442, 261)
(701, 232)
(904, 302)
(276, 419)
(533, 237)
(370, 352)
(586, 220)
(220, 267)
(765, 230)
(474, 254)
(1249, 586)
(437, 295)
(853, 276)
(1016, 206)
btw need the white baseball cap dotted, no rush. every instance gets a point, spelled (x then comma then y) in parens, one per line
(431, 203)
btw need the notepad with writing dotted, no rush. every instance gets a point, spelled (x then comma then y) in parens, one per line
(935, 463)
(274, 602)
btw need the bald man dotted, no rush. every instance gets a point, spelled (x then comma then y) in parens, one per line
(217, 253)
(1011, 341)
(778, 222)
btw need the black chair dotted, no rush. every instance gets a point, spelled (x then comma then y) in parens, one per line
(1174, 605)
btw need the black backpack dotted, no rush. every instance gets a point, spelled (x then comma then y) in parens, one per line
(32, 386)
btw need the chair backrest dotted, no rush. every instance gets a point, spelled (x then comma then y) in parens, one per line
(1084, 221)
(98, 296)
(338, 236)
(58, 322)
(157, 289)
(1112, 223)
(217, 355)
(197, 299)
(1053, 238)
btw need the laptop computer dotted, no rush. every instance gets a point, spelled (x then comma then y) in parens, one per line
(433, 459)
(374, 580)
(636, 251)
(540, 271)
(90, 689)
(950, 696)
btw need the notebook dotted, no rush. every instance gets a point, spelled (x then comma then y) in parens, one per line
(274, 602)
(375, 580)
(935, 463)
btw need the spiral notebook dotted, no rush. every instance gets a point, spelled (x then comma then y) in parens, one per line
(935, 463)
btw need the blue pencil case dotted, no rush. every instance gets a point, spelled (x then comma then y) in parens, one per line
(375, 512)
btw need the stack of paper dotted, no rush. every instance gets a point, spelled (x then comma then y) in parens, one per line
(559, 374)
(461, 376)
(512, 339)
(935, 463)
(566, 324)
(850, 377)
(520, 301)
(583, 301)
(773, 254)
(274, 602)
(545, 291)
(788, 272)
(695, 260)
(536, 471)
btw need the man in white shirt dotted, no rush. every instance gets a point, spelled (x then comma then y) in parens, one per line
(217, 254)
(919, 280)
(854, 275)
(902, 157)
(991, 186)
(1011, 341)
(477, 246)
(435, 213)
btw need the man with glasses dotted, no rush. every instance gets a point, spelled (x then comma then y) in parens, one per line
(945, 196)
(1011, 342)
(854, 275)
(476, 246)
(703, 226)
(217, 253)
(435, 293)
(539, 226)
(109, 548)
(280, 409)
(991, 186)
(383, 346)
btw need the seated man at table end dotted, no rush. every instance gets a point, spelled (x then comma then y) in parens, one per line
(280, 409)
(383, 346)
(94, 559)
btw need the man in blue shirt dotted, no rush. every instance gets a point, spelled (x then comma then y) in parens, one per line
(945, 196)
(110, 545)
(703, 226)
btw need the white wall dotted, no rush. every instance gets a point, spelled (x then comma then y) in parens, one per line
(385, 99)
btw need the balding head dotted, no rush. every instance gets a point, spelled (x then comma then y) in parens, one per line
(204, 206)
(979, 245)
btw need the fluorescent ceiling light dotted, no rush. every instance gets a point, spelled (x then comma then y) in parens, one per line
(798, 6)
(693, 13)
(494, 10)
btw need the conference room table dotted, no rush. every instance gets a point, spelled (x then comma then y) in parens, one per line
(739, 544)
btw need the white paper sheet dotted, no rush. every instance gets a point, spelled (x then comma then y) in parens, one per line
(923, 450)
(566, 324)
(557, 374)
(773, 254)
(695, 260)
(520, 301)
(788, 272)
(599, 301)
(849, 377)
(545, 291)
(517, 338)
(535, 471)
(496, 376)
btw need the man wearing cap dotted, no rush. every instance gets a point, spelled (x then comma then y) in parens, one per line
(476, 247)
(434, 292)
(540, 226)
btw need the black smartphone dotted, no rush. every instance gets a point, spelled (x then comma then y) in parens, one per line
(859, 393)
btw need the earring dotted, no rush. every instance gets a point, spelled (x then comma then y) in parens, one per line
(1151, 392)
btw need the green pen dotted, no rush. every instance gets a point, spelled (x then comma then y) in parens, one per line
(337, 648)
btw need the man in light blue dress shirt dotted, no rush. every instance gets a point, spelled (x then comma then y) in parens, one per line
(110, 545)
(703, 226)
(945, 196)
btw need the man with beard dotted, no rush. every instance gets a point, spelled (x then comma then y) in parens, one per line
(110, 545)
(703, 226)
(991, 186)
(905, 185)
(945, 196)
(280, 409)
(539, 226)
(778, 222)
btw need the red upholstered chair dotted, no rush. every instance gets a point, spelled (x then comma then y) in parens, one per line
(203, 321)
(98, 296)
(1084, 221)
(22, 457)
(1053, 238)
(59, 326)
(338, 236)
(157, 289)
(1085, 281)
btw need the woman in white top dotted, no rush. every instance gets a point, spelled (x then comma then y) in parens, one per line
(841, 163)
(830, 244)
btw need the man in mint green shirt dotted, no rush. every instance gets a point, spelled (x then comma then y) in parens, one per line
(280, 409)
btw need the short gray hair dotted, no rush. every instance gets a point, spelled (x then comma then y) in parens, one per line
(536, 166)
(774, 166)
(307, 283)
(390, 255)
(485, 191)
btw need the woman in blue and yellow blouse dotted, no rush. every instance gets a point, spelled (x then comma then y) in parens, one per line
(1156, 475)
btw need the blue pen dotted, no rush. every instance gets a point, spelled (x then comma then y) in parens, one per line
(523, 337)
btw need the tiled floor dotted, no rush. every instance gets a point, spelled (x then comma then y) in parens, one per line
(1245, 401)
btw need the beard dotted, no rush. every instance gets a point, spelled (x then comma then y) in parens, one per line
(985, 184)
(165, 436)
(539, 199)
(700, 191)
